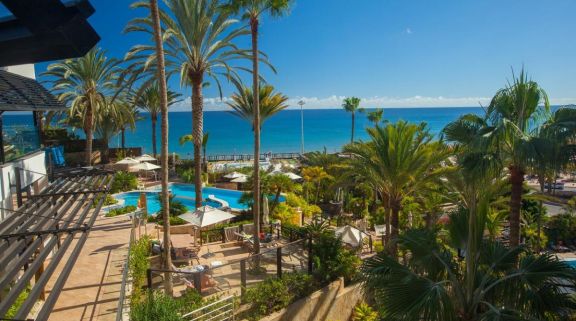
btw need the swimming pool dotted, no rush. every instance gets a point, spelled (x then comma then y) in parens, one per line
(185, 193)
(571, 262)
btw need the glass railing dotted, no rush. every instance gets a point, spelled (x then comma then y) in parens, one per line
(19, 140)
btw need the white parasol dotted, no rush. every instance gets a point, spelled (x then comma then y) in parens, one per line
(206, 216)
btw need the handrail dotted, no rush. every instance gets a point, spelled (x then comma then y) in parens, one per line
(120, 311)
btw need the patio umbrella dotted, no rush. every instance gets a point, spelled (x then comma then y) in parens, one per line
(145, 158)
(127, 161)
(265, 211)
(146, 166)
(206, 216)
(241, 179)
(234, 175)
(290, 175)
(351, 235)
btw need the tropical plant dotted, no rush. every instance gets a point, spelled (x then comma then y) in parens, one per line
(507, 284)
(270, 103)
(198, 44)
(331, 259)
(276, 185)
(374, 116)
(315, 176)
(364, 312)
(205, 138)
(511, 114)
(123, 182)
(253, 10)
(115, 117)
(148, 99)
(399, 160)
(84, 84)
(321, 159)
(351, 105)
(176, 207)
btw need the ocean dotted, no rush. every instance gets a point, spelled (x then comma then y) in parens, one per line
(229, 134)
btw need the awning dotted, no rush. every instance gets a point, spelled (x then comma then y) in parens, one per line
(146, 167)
(145, 158)
(351, 235)
(234, 175)
(127, 161)
(206, 216)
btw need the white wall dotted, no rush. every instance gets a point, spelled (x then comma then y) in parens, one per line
(34, 166)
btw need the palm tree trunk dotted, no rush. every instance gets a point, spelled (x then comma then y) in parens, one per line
(353, 124)
(105, 150)
(123, 132)
(154, 119)
(256, 99)
(516, 180)
(394, 225)
(89, 135)
(197, 128)
(164, 157)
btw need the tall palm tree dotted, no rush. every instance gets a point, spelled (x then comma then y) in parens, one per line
(374, 116)
(161, 68)
(198, 39)
(399, 160)
(148, 99)
(511, 114)
(114, 119)
(128, 119)
(351, 105)
(83, 84)
(253, 10)
(270, 103)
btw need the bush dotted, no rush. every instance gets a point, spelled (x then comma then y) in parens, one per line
(123, 182)
(108, 201)
(332, 260)
(17, 304)
(561, 227)
(364, 312)
(159, 306)
(137, 267)
(174, 220)
(121, 211)
(274, 294)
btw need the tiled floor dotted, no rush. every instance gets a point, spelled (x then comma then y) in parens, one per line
(92, 289)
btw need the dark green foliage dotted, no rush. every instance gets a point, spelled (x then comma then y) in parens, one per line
(124, 182)
(176, 207)
(121, 211)
(274, 294)
(138, 265)
(561, 227)
(332, 260)
(108, 201)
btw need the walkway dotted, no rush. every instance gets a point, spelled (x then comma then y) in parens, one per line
(92, 290)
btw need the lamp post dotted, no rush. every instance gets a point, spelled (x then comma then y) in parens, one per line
(301, 103)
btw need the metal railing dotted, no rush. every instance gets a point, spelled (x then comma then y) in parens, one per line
(249, 157)
(221, 310)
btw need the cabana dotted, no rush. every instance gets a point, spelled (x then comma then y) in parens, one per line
(351, 235)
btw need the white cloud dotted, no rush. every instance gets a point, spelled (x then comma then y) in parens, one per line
(330, 102)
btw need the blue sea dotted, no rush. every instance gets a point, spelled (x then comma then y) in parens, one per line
(323, 128)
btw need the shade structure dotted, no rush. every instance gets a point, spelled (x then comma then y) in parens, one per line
(241, 179)
(127, 161)
(290, 175)
(234, 175)
(351, 235)
(145, 158)
(205, 216)
(145, 166)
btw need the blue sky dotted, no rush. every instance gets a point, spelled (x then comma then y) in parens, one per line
(397, 53)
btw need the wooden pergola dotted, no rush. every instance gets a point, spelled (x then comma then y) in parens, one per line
(48, 231)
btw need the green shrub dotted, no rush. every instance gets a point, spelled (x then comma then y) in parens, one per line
(364, 312)
(274, 294)
(124, 182)
(139, 253)
(121, 211)
(174, 220)
(109, 200)
(155, 306)
(332, 260)
(17, 304)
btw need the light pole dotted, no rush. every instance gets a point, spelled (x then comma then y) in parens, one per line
(301, 103)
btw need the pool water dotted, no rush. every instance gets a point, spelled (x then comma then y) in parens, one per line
(572, 263)
(185, 194)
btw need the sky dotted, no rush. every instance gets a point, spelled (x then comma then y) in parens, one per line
(394, 53)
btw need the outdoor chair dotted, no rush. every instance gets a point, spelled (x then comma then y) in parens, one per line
(216, 282)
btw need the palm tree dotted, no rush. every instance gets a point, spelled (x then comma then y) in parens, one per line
(399, 160)
(198, 44)
(159, 51)
(316, 176)
(253, 10)
(127, 120)
(508, 284)
(114, 119)
(511, 113)
(148, 99)
(374, 116)
(351, 105)
(243, 105)
(83, 84)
